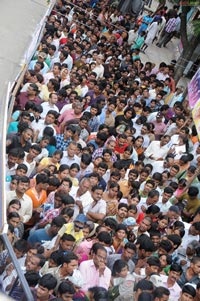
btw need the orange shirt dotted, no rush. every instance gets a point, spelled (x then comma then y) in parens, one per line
(37, 200)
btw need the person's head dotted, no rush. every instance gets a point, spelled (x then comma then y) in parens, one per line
(153, 265)
(155, 237)
(99, 255)
(195, 265)
(113, 190)
(13, 156)
(21, 170)
(121, 231)
(163, 222)
(35, 262)
(146, 248)
(42, 181)
(175, 272)
(71, 150)
(46, 286)
(144, 173)
(57, 156)
(144, 296)
(165, 260)
(110, 224)
(84, 185)
(188, 293)
(97, 192)
(66, 291)
(122, 210)
(70, 263)
(22, 185)
(102, 168)
(13, 218)
(148, 186)
(86, 159)
(65, 186)
(98, 293)
(153, 197)
(195, 229)
(67, 242)
(79, 222)
(120, 268)
(143, 286)
(63, 171)
(165, 247)
(153, 212)
(128, 251)
(51, 117)
(161, 294)
(104, 238)
(14, 206)
(173, 213)
(20, 247)
(57, 224)
(193, 192)
(145, 224)
(32, 278)
(175, 239)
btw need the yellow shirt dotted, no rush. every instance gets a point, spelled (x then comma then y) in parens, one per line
(69, 229)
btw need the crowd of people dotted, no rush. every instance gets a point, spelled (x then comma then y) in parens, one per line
(103, 164)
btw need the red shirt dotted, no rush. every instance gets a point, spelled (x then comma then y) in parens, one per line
(120, 149)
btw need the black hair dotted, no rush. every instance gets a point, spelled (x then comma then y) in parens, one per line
(153, 261)
(48, 281)
(189, 289)
(41, 178)
(110, 222)
(21, 245)
(160, 291)
(68, 237)
(32, 278)
(56, 256)
(104, 237)
(66, 287)
(166, 245)
(176, 268)
(58, 221)
(118, 266)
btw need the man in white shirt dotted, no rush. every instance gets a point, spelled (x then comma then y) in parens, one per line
(170, 282)
(82, 197)
(192, 232)
(50, 105)
(26, 209)
(157, 150)
(64, 58)
(39, 126)
(69, 156)
(164, 203)
(99, 69)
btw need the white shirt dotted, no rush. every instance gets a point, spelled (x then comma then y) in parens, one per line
(155, 150)
(46, 108)
(99, 70)
(69, 161)
(86, 199)
(174, 290)
(26, 205)
(30, 166)
(40, 126)
(164, 207)
(188, 238)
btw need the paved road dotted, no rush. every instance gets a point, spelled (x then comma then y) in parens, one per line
(18, 19)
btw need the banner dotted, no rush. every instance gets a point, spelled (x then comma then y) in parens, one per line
(196, 116)
(194, 89)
